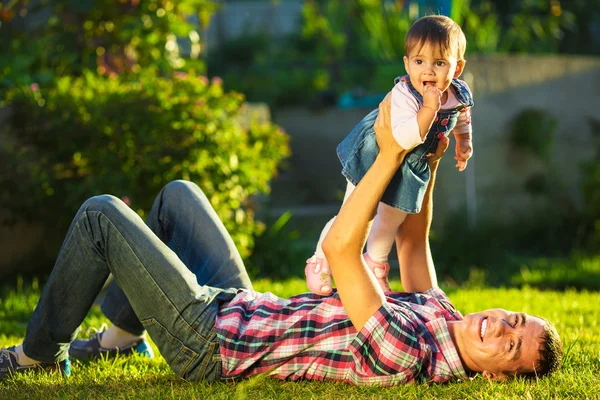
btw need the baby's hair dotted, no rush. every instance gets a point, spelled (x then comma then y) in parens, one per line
(437, 30)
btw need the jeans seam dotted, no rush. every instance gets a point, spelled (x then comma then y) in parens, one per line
(206, 361)
(184, 348)
(186, 324)
(191, 360)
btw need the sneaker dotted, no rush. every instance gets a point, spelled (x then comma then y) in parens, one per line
(9, 365)
(90, 349)
(380, 271)
(318, 276)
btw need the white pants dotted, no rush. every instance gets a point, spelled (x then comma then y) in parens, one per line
(383, 230)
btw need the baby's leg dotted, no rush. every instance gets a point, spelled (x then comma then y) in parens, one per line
(383, 232)
(318, 275)
(380, 241)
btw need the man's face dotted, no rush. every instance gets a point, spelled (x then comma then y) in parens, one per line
(499, 343)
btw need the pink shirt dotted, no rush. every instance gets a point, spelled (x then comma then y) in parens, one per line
(311, 337)
(403, 116)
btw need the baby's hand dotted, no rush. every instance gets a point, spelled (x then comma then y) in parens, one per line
(464, 151)
(432, 97)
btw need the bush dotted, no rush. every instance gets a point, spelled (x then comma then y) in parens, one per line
(533, 130)
(91, 135)
(590, 171)
(498, 248)
(281, 251)
(43, 40)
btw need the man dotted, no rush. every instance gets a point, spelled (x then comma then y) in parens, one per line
(181, 279)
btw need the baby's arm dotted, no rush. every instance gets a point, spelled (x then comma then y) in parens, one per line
(410, 121)
(432, 100)
(462, 135)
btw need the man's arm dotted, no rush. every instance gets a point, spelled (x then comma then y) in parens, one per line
(358, 289)
(417, 271)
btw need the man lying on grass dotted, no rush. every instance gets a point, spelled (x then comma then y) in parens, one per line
(181, 279)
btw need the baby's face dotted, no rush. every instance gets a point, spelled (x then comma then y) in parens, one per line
(429, 66)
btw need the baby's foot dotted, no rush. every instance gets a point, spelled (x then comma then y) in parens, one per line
(318, 276)
(380, 271)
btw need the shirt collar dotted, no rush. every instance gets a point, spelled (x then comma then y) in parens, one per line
(439, 329)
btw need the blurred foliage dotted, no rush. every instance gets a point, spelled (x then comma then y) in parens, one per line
(498, 246)
(533, 130)
(91, 135)
(523, 26)
(249, 65)
(583, 39)
(358, 45)
(577, 272)
(590, 173)
(107, 97)
(45, 39)
(281, 251)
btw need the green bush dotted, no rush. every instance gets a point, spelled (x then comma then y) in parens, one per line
(281, 251)
(92, 135)
(590, 172)
(42, 40)
(533, 130)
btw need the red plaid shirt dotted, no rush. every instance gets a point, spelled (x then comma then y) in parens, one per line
(311, 337)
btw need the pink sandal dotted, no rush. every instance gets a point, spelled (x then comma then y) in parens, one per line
(380, 271)
(318, 276)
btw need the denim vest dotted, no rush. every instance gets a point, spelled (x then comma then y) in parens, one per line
(357, 152)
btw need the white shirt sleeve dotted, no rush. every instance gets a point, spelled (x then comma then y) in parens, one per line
(463, 123)
(403, 116)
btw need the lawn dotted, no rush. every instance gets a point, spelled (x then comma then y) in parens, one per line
(576, 315)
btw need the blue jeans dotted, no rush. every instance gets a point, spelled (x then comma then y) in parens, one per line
(170, 277)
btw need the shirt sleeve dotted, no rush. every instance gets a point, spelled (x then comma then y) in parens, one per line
(404, 109)
(387, 350)
(463, 122)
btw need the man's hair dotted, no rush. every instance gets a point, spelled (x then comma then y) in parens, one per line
(551, 353)
(439, 31)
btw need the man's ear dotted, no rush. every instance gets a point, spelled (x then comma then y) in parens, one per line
(492, 376)
(460, 66)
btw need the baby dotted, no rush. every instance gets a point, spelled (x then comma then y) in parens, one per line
(427, 103)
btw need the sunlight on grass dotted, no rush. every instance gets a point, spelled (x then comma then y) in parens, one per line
(575, 314)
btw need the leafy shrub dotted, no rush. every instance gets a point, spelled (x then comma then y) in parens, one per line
(590, 172)
(533, 130)
(47, 39)
(498, 247)
(251, 64)
(281, 251)
(91, 135)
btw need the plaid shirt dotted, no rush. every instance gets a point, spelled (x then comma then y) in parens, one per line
(311, 337)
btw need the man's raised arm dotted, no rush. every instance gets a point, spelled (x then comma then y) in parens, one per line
(417, 270)
(359, 291)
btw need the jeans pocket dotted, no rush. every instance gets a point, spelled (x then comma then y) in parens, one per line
(180, 358)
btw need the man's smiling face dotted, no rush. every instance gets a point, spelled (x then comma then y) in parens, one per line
(498, 343)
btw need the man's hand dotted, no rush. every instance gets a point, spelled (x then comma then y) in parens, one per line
(417, 270)
(383, 128)
(441, 148)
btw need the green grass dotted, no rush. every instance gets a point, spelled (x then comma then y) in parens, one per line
(576, 315)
